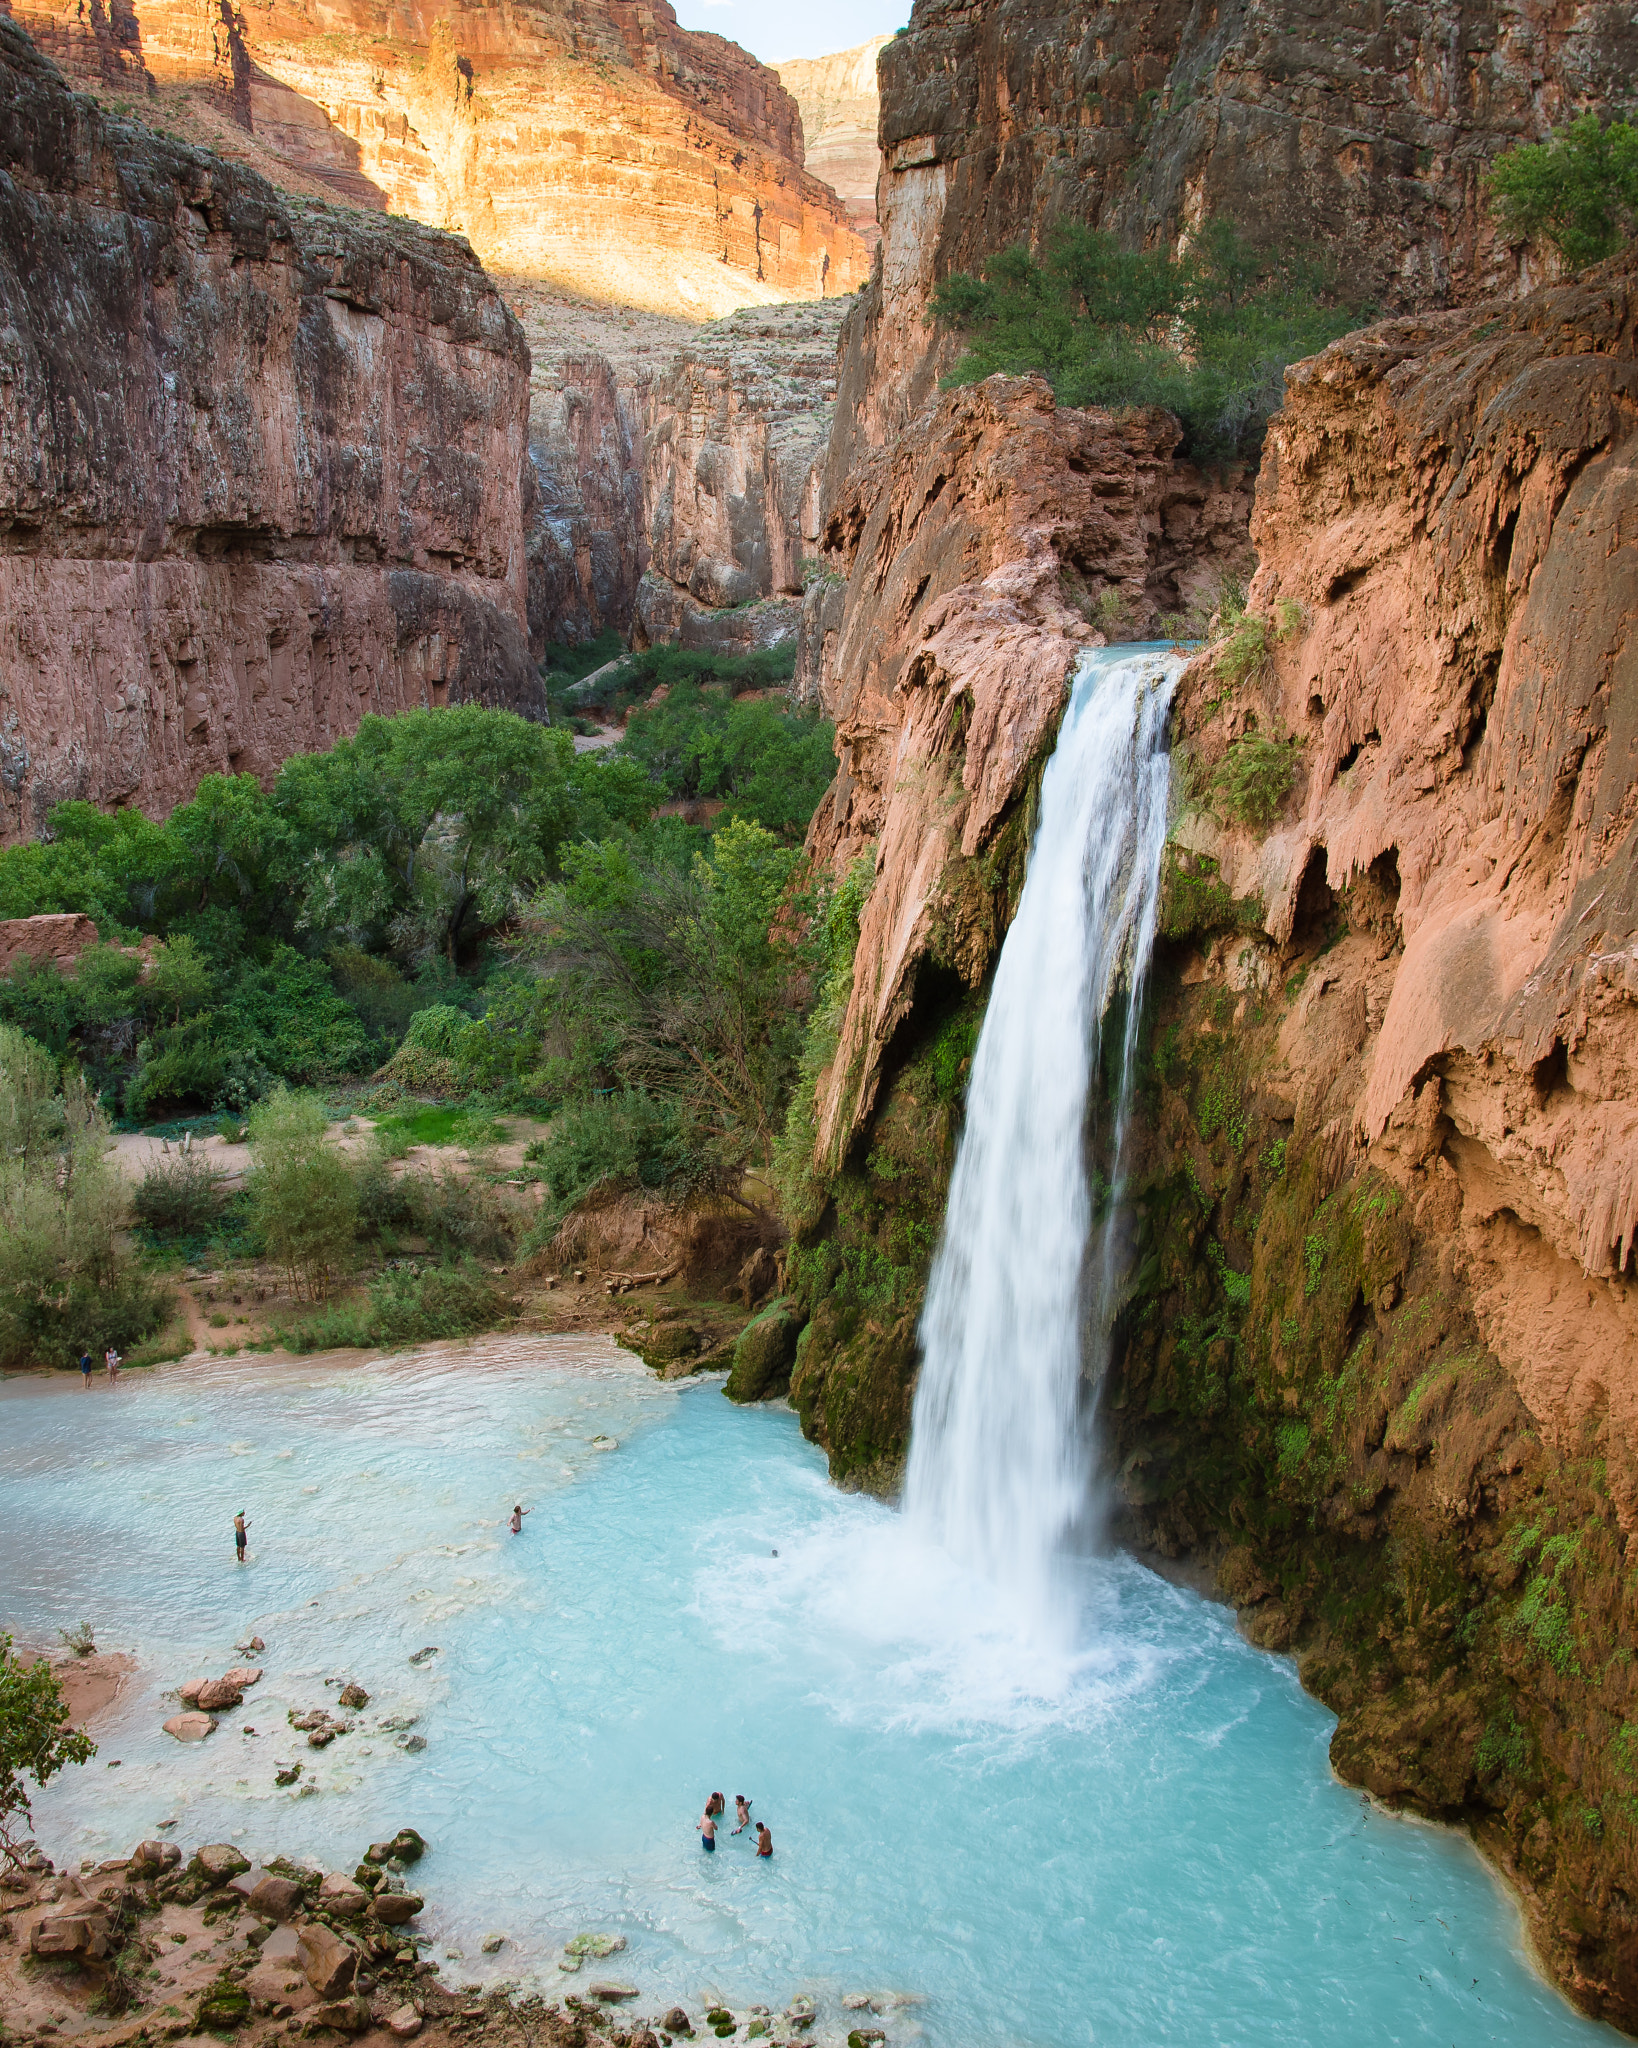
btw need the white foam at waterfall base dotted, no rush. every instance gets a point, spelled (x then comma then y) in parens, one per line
(999, 1458)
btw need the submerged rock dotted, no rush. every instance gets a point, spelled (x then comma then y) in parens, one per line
(595, 1945)
(353, 1695)
(492, 1944)
(612, 1990)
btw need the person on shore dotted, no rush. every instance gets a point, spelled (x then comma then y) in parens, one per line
(742, 1812)
(240, 1525)
(518, 1514)
(708, 1828)
(110, 1359)
(764, 1841)
(85, 1370)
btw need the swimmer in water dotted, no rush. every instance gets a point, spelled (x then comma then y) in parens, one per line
(716, 1804)
(764, 1841)
(708, 1828)
(742, 1812)
(518, 1514)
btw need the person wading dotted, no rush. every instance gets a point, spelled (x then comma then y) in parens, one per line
(518, 1514)
(240, 1525)
(764, 1841)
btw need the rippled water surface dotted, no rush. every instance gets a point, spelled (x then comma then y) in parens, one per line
(1135, 1843)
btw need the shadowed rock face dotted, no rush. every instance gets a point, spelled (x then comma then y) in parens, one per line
(1364, 131)
(260, 464)
(590, 143)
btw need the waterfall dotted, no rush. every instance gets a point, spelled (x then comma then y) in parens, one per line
(999, 1451)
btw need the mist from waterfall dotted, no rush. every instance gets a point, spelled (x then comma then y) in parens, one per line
(1000, 1457)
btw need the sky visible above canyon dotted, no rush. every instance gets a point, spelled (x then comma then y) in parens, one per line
(776, 29)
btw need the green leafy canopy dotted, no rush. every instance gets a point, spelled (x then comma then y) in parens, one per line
(36, 1740)
(1579, 191)
(1207, 334)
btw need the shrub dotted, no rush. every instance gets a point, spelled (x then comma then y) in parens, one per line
(67, 1282)
(1579, 191)
(408, 1308)
(179, 1197)
(1254, 779)
(1207, 335)
(304, 1194)
(36, 1738)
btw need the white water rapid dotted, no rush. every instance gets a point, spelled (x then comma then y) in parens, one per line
(999, 1453)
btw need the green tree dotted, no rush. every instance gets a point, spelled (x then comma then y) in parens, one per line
(67, 1281)
(421, 828)
(689, 986)
(1579, 191)
(36, 1740)
(1208, 334)
(764, 762)
(304, 1193)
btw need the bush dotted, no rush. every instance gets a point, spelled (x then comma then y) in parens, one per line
(408, 1308)
(67, 1283)
(1579, 191)
(304, 1194)
(632, 1138)
(1207, 335)
(179, 1197)
(1254, 779)
(763, 762)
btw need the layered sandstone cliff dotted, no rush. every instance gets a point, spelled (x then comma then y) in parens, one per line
(589, 143)
(841, 108)
(260, 464)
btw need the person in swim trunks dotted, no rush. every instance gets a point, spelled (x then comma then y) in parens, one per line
(708, 1829)
(240, 1525)
(85, 1368)
(518, 1514)
(764, 1841)
(742, 1812)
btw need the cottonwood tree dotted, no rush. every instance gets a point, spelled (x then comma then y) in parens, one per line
(36, 1741)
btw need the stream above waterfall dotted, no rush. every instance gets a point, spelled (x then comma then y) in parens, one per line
(1132, 1838)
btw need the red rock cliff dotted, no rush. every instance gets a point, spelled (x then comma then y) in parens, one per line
(590, 143)
(260, 464)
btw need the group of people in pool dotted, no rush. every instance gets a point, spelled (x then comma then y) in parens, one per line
(742, 1813)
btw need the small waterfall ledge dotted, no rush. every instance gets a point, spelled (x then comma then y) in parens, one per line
(1000, 1458)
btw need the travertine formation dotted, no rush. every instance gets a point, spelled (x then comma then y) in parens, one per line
(260, 464)
(590, 143)
(1451, 507)
(840, 110)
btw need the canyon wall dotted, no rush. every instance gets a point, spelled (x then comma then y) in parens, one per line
(1366, 134)
(589, 143)
(260, 464)
(841, 109)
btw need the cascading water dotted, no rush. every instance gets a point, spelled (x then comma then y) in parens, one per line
(999, 1460)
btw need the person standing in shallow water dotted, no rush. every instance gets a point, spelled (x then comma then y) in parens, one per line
(764, 1841)
(518, 1514)
(240, 1525)
(742, 1812)
(708, 1825)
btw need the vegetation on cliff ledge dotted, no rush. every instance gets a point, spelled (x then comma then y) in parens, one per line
(1579, 191)
(1207, 334)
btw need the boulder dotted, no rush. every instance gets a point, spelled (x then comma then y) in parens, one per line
(242, 1675)
(70, 1934)
(224, 2006)
(189, 1694)
(326, 1961)
(395, 1909)
(404, 2024)
(492, 1944)
(406, 1845)
(611, 1990)
(153, 1859)
(283, 1946)
(277, 1898)
(217, 1695)
(764, 1352)
(353, 1696)
(250, 1647)
(191, 1727)
(218, 1861)
(344, 2015)
(677, 2021)
(338, 1894)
